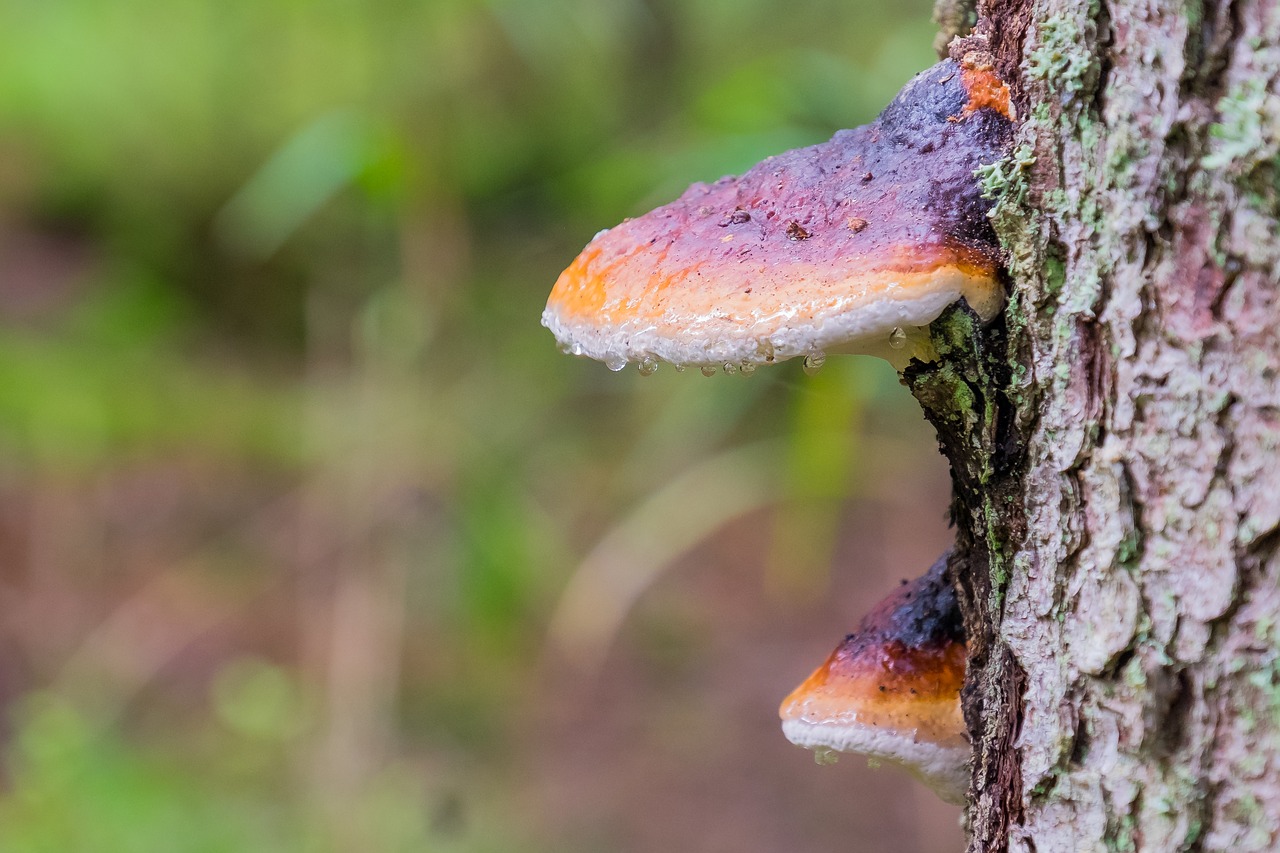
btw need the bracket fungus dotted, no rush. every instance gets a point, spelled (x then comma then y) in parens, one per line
(891, 689)
(853, 245)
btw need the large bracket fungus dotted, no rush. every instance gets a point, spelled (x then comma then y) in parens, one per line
(853, 245)
(858, 244)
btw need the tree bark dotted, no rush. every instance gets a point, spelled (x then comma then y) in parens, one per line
(1114, 438)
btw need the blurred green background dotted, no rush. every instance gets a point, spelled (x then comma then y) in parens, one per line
(310, 539)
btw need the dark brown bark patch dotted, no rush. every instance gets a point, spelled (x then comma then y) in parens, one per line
(1004, 25)
(965, 395)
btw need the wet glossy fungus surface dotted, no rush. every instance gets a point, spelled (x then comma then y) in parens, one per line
(809, 233)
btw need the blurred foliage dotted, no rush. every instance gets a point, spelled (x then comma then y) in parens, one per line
(295, 252)
(77, 789)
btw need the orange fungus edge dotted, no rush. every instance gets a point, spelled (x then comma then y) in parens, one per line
(923, 679)
(986, 90)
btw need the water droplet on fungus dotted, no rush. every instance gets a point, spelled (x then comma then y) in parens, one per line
(825, 756)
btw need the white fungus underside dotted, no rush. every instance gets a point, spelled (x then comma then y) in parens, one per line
(945, 769)
(732, 339)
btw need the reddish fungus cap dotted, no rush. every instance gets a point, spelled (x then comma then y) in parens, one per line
(822, 249)
(891, 690)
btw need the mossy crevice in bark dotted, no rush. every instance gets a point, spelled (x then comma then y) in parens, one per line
(965, 395)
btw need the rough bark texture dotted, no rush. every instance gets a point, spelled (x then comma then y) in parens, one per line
(1114, 438)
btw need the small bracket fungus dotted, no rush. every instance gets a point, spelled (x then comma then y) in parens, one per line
(891, 690)
(853, 245)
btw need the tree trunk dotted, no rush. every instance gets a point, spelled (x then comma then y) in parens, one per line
(1114, 439)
